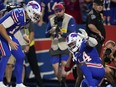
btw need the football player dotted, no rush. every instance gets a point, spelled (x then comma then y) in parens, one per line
(9, 24)
(85, 54)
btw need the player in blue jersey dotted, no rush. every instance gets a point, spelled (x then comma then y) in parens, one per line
(85, 54)
(9, 24)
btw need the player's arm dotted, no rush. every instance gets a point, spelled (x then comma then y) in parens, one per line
(7, 22)
(7, 38)
(92, 42)
(4, 33)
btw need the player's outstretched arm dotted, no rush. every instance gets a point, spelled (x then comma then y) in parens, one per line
(92, 42)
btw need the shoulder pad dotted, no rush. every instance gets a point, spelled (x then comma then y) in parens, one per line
(19, 15)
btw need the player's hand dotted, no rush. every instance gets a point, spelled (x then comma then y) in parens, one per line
(13, 45)
(83, 34)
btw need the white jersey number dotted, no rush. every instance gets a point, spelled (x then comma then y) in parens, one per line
(86, 57)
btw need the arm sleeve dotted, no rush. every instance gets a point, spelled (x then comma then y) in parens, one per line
(92, 42)
(8, 22)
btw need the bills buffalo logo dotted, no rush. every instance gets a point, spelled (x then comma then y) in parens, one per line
(34, 6)
(73, 35)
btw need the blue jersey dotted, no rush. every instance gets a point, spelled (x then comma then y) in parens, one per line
(2, 4)
(14, 20)
(87, 54)
(91, 63)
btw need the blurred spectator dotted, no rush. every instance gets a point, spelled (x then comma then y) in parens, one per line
(13, 1)
(106, 11)
(109, 61)
(31, 55)
(85, 8)
(42, 15)
(48, 9)
(94, 24)
(2, 4)
(58, 28)
(109, 12)
(72, 7)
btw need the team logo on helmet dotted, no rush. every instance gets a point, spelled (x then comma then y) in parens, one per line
(34, 6)
(72, 35)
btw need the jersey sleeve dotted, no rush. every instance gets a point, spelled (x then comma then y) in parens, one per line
(18, 16)
(7, 20)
